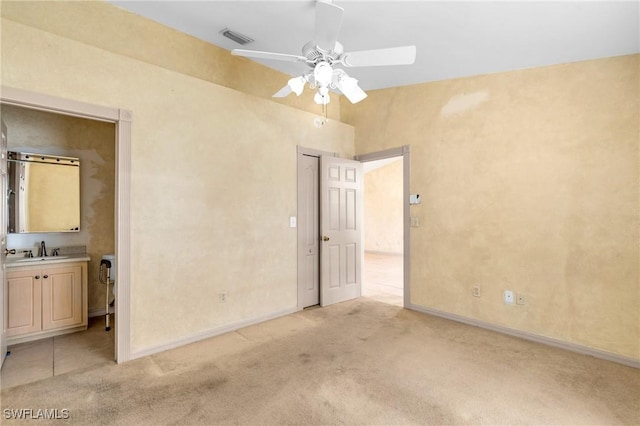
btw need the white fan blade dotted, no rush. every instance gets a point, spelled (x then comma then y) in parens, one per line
(268, 55)
(404, 55)
(284, 92)
(328, 22)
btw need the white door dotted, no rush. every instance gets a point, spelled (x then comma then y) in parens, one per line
(308, 230)
(3, 246)
(340, 229)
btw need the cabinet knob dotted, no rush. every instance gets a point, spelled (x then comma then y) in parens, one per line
(37, 277)
(46, 276)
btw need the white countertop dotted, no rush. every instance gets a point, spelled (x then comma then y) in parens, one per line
(20, 261)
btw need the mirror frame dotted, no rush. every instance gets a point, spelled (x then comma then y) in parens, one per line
(21, 199)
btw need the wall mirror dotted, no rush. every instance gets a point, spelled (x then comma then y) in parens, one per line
(44, 193)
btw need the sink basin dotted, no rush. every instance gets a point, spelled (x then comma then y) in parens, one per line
(37, 259)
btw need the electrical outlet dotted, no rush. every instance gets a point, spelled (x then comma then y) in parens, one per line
(415, 221)
(508, 297)
(476, 291)
(520, 300)
(222, 297)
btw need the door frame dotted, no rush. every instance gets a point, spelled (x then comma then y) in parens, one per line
(4, 180)
(122, 118)
(300, 151)
(404, 152)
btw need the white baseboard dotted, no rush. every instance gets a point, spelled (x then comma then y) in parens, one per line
(585, 350)
(209, 333)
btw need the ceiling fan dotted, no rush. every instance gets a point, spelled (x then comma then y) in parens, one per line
(324, 53)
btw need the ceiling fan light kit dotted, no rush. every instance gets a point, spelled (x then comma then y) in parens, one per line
(297, 84)
(322, 96)
(324, 53)
(349, 87)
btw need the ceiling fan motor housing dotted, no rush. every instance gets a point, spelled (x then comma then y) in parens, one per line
(323, 73)
(315, 54)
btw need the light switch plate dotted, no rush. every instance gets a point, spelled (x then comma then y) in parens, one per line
(293, 222)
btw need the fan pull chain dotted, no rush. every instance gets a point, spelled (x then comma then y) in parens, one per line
(321, 121)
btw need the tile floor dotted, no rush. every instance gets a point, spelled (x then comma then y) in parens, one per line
(33, 361)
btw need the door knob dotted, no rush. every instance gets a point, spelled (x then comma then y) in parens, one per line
(325, 238)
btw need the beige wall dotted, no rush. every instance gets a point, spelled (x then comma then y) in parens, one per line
(529, 182)
(383, 221)
(213, 182)
(529, 179)
(94, 143)
(131, 35)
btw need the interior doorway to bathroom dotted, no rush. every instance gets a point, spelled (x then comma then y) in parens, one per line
(119, 123)
(29, 132)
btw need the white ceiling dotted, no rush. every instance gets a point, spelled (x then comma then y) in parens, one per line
(453, 39)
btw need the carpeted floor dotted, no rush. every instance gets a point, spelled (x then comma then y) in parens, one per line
(358, 362)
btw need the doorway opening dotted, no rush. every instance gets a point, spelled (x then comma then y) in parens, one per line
(36, 355)
(383, 231)
(389, 267)
(119, 122)
(386, 268)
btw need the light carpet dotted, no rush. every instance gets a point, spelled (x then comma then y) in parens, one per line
(357, 362)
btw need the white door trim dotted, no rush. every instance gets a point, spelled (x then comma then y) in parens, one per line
(122, 119)
(3, 245)
(404, 152)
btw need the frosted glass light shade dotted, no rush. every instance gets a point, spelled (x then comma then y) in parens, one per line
(297, 85)
(349, 87)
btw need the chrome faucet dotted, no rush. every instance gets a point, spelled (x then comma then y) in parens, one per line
(42, 252)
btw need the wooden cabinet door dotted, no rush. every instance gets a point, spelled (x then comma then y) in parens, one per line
(24, 302)
(61, 297)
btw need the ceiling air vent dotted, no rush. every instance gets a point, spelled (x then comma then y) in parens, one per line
(235, 36)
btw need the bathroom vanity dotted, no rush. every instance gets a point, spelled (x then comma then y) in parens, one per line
(47, 296)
